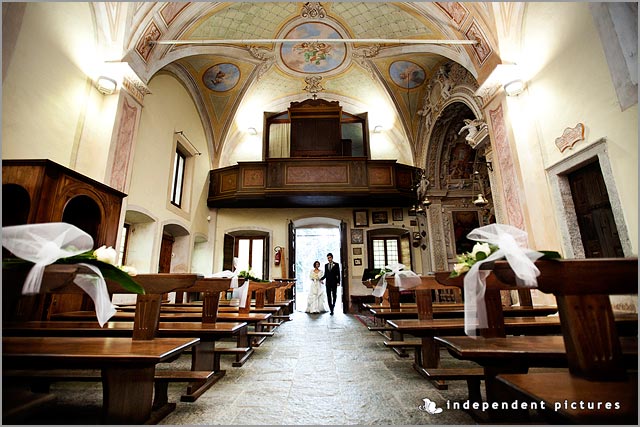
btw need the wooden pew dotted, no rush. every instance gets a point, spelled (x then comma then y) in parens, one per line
(517, 354)
(127, 364)
(427, 362)
(597, 372)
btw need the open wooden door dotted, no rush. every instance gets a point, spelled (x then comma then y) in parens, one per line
(227, 256)
(292, 259)
(344, 258)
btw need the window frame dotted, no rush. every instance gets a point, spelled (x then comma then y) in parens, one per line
(178, 178)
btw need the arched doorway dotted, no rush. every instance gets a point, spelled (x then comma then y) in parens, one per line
(314, 238)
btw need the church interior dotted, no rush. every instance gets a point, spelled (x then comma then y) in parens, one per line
(220, 148)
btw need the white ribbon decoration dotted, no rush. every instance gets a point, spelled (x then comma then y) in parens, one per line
(404, 279)
(95, 286)
(239, 292)
(43, 244)
(512, 244)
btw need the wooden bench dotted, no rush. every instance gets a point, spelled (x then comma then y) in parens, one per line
(127, 396)
(597, 372)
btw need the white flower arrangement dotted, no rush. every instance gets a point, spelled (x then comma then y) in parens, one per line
(479, 252)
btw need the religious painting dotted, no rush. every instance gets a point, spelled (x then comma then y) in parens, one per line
(406, 74)
(461, 161)
(397, 214)
(463, 222)
(221, 77)
(313, 56)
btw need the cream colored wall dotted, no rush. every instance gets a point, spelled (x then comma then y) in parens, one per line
(50, 107)
(166, 110)
(569, 83)
(275, 222)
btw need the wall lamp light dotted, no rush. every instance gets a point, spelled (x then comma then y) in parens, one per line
(377, 129)
(252, 131)
(106, 85)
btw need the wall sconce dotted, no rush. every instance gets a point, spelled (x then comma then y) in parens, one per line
(514, 87)
(377, 129)
(106, 85)
(252, 131)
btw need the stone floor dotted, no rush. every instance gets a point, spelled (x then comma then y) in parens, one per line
(316, 370)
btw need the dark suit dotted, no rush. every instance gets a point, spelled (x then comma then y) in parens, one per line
(332, 277)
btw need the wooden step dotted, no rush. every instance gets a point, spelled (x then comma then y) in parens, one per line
(258, 337)
(380, 328)
(407, 343)
(18, 404)
(472, 376)
(201, 380)
(452, 373)
(241, 353)
(271, 324)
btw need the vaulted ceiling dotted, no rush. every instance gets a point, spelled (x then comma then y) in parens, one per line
(232, 59)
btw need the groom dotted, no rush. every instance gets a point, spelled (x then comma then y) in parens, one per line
(332, 274)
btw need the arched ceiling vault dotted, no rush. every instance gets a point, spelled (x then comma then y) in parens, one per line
(233, 83)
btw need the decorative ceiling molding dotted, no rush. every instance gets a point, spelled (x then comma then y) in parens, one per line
(482, 49)
(361, 56)
(171, 10)
(313, 10)
(267, 58)
(455, 10)
(313, 84)
(144, 46)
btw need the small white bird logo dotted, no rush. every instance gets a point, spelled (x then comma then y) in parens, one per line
(429, 407)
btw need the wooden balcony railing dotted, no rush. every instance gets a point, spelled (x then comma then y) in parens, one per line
(312, 182)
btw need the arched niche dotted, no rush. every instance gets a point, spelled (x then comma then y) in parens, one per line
(84, 213)
(16, 205)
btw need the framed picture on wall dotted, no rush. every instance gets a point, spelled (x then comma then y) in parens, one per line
(357, 251)
(397, 214)
(357, 236)
(379, 217)
(361, 218)
(357, 261)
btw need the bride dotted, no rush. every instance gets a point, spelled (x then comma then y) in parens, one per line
(317, 298)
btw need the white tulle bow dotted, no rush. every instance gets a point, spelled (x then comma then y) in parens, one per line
(512, 245)
(239, 292)
(404, 279)
(43, 244)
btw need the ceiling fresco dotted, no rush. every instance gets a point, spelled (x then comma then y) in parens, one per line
(234, 55)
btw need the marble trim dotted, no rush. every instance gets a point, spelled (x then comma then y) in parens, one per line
(563, 202)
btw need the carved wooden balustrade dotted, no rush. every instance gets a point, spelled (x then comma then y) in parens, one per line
(315, 182)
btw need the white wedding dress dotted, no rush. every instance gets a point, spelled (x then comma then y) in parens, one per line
(317, 298)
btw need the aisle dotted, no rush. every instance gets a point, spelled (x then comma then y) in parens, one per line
(319, 369)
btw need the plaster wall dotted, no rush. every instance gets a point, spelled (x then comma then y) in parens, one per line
(50, 107)
(169, 109)
(570, 83)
